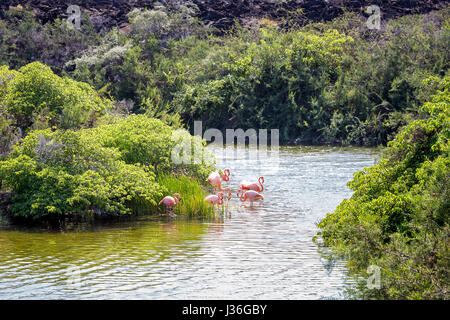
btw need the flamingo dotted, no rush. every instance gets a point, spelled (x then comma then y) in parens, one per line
(215, 179)
(251, 195)
(215, 199)
(252, 186)
(226, 175)
(170, 202)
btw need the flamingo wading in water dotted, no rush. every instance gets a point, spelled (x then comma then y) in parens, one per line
(252, 186)
(170, 202)
(216, 178)
(215, 199)
(251, 195)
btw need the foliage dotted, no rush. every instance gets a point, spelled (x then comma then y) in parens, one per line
(36, 97)
(174, 21)
(109, 169)
(192, 194)
(149, 141)
(9, 135)
(135, 66)
(398, 216)
(23, 40)
(350, 86)
(61, 173)
(274, 81)
(334, 83)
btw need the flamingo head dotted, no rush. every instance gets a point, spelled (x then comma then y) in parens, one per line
(259, 196)
(177, 195)
(262, 179)
(220, 195)
(226, 175)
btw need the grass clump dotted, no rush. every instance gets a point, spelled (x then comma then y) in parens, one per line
(192, 193)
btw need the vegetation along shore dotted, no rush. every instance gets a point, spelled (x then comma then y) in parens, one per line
(88, 116)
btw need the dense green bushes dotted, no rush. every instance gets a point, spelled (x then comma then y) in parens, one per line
(109, 169)
(150, 142)
(379, 88)
(273, 81)
(398, 217)
(317, 85)
(36, 97)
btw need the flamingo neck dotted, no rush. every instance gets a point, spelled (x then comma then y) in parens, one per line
(260, 183)
(225, 189)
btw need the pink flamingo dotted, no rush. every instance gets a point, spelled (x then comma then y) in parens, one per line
(226, 175)
(251, 195)
(216, 180)
(215, 199)
(170, 202)
(252, 186)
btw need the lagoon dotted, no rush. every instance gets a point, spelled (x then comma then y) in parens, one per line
(260, 252)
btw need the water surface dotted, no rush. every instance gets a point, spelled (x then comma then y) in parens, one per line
(259, 252)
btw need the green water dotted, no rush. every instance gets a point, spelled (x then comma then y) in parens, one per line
(259, 252)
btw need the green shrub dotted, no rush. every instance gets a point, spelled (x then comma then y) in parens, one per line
(64, 173)
(109, 169)
(318, 86)
(398, 216)
(149, 141)
(192, 194)
(274, 81)
(9, 135)
(35, 90)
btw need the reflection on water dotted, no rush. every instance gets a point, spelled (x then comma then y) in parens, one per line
(259, 252)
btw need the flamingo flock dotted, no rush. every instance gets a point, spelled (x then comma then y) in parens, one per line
(250, 191)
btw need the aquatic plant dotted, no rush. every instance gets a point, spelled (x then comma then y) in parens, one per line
(192, 194)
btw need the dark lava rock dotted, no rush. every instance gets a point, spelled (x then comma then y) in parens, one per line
(222, 14)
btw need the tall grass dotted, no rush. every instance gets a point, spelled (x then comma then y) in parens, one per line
(192, 194)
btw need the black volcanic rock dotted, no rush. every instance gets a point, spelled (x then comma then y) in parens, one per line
(222, 13)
